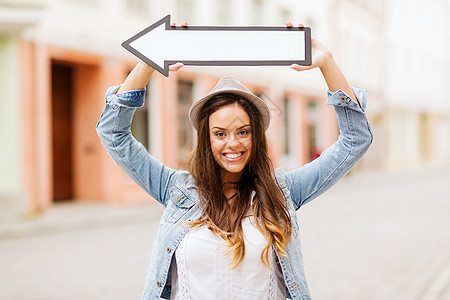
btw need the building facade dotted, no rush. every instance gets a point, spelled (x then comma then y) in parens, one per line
(58, 63)
(417, 85)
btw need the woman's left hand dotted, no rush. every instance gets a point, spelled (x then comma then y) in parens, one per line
(320, 53)
(323, 59)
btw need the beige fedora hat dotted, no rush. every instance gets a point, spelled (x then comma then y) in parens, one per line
(229, 84)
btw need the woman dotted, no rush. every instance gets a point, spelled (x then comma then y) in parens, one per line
(229, 229)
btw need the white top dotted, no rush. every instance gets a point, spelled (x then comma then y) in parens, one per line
(202, 270)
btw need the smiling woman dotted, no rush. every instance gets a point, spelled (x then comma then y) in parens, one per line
(232, 171)
(229, 228)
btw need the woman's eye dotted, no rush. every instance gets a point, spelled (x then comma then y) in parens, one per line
(243, 132)
(220, 134)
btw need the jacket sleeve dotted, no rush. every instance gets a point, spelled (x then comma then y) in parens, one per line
(316, 177)
(114, 130)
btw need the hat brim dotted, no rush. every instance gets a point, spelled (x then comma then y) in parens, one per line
(194, 111)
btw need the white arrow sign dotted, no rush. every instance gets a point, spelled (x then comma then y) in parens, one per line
(161, 45)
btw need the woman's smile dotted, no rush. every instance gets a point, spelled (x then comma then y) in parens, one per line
(233, 156)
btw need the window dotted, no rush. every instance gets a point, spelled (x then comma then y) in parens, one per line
(185, 137)
(312, 120)
(185, 10)
(290, 134)
(223, 11)
(284, 15)
(257, 10)
(287, 127)
(309, 22)
(137, 6)
(140, 127)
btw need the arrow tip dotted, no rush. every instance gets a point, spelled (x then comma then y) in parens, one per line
(137, 47)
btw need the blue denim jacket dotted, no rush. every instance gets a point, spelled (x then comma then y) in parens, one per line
(176, 189)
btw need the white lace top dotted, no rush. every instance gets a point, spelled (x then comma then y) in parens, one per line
(202, 271)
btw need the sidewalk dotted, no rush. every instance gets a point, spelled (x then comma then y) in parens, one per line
(77, 215)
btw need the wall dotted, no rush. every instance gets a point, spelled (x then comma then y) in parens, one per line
(10, 125)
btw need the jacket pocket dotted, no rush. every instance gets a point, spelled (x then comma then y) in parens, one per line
(178, 205)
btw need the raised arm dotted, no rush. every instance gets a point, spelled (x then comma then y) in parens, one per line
(140, 75)
(114, 130)
(138, 78)
(311, 180)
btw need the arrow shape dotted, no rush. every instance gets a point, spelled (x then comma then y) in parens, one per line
(161, 45)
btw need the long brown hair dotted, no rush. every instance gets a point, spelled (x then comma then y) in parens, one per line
(225, 217)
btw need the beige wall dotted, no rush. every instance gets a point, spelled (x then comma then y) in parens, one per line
(11, 194)
(9, 116)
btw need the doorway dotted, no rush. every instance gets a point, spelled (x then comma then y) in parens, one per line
(62, 114)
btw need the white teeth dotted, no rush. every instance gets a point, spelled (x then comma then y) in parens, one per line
(234, 155)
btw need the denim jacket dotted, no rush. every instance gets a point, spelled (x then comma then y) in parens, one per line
(176, 189)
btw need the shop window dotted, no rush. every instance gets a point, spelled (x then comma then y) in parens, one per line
(185, 137)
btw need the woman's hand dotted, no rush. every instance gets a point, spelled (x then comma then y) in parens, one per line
(321, 56)
(323, 59)
(176, 67)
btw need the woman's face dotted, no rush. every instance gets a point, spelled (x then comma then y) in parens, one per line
(231, 140)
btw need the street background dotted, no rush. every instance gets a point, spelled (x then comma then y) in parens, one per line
(375, 235)
(74, 226)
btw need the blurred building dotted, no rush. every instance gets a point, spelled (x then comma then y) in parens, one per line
(15, 18)
(58, 58)
(417, 95)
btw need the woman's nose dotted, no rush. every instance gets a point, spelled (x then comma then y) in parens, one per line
(232, 140)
